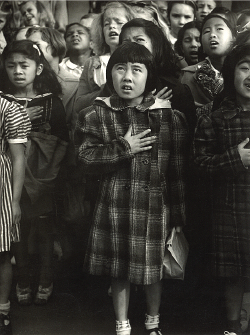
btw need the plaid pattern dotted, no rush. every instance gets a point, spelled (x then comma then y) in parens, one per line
(216, 153)
(141, 196)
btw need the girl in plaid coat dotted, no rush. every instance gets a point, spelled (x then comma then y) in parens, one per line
(222, 151)
(139, 148)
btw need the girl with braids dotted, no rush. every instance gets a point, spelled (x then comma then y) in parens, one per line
(28, 80)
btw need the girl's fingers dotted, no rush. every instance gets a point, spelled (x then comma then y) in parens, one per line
(142, 134)
(167, 94)
(161, 92)
(148, 140)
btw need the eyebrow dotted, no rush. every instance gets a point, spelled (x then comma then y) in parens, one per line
(244, 60)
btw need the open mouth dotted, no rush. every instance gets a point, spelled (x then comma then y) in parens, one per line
(194, 53)
(214, 43)
(75, 41)
(113, 34)
(126, 88)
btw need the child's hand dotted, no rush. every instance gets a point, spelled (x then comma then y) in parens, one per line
(163, 94)
(16, 212)
(244, 153)
(34, 112)
(137, 142)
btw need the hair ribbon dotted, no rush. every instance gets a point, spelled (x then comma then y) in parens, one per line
(36, 47)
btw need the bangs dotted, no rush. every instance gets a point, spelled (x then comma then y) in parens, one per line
(135, 55)
(131, 52)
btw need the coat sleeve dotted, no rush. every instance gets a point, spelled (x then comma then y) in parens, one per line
(86, 92)
(208, 156)
(177, 168)
(95, 154)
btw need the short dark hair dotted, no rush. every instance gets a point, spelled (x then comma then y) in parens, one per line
(75, 24)
(134, 53)
(233, 58)
(181, 33)
(190, 3)
(164, 55)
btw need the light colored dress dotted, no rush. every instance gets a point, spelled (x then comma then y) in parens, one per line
(15, 126)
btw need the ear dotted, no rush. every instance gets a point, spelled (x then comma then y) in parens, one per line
(40, 69)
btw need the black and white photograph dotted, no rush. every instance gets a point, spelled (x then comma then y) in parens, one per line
(125, 167)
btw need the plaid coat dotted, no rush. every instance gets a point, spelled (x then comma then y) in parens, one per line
(141, 196)
(216, 153)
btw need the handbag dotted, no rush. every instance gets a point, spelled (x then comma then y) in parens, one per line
(175, 258)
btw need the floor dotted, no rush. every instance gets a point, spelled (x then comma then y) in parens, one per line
(80, 304)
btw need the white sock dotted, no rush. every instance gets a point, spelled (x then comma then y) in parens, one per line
(5, 308)
(151, 322)
(123, 327)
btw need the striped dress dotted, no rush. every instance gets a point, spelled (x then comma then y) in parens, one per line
(15, 126)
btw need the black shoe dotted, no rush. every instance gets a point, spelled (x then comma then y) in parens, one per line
(5, 325)
(154, 331)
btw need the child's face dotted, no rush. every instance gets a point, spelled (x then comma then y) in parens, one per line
(216, 38)
(22, 71)
(77, 38)
(30, 14)
(43, 45)
(114, 19)
(242, 80)
(162, 6)
(2, 21)
(138, 35)
(129, 81)
(190, 45)
(180, 14)
(205, 7)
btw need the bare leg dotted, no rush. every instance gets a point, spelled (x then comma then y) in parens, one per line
(234, 291)
(5, 277)
(120, 296)
(46, 250)
(153, 298)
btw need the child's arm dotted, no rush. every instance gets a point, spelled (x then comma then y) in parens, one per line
(208, 156)
(18, 164)
(97, 155)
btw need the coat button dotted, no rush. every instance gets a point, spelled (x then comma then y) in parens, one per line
(127, 187)
(145, 162)
(146, 188)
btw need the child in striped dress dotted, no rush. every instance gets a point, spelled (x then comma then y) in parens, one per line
(15, 126)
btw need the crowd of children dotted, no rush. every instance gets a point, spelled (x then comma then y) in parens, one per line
(142, 110)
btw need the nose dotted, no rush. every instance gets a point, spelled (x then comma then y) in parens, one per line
(213, 34)
(182, 20)
(194, 44)
(17, 69)
(204, 9)
(113, 24)
(127, 75)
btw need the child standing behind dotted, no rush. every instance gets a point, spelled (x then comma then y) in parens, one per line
(28, 79)
(138, 146)
(77, 39)
(15, 126)
(222, 151)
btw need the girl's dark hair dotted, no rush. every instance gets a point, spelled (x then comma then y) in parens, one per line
(53, 38)
(233, 58)
(181, 34)
(76, 24)
(134, 53)
(190, 3)
(164, 56)
(226, 13)
(46, 82)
